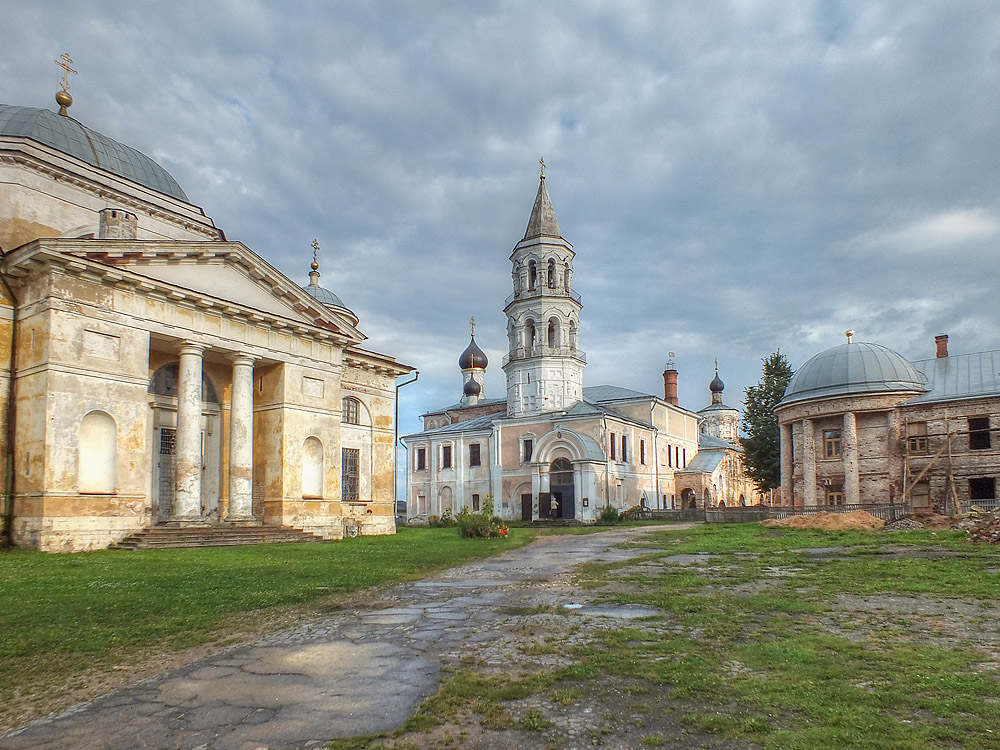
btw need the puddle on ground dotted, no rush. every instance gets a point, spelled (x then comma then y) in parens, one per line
(624, 611)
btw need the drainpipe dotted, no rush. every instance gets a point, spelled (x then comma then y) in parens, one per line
(395, 438)
(656, 454)
(8, 496)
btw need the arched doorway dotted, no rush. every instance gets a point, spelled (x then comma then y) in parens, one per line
(163, 400)
(561, 488)
(688, 499)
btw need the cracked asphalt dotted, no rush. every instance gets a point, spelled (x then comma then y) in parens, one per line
(354, 673)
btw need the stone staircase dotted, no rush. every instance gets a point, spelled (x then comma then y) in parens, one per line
(554, 522)
(216, 535)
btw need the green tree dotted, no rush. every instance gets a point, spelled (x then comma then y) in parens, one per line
(762, 444)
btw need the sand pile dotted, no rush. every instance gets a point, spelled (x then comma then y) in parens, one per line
(859, 519)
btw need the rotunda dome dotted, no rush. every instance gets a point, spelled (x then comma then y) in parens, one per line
(473, 357)
(853, 368)
(65, 134)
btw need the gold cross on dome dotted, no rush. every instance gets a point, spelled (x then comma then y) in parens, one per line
(315, 247)
(472, 322)
(63, 62)
(542, 162)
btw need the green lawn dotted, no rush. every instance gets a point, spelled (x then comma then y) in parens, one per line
(62, 616)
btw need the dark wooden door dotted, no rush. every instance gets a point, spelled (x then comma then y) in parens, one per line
(526, 507)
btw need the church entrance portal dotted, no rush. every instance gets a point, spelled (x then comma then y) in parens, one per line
(163, 392)
(526, 507)
(561, 488)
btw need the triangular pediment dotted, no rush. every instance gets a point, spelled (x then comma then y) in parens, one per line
(219, 272)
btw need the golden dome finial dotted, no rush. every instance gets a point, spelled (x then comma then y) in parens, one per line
(315, 263)
(542, 162)
(63, 98)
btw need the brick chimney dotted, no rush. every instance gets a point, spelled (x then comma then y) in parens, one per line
(670, 385)
(941, 342)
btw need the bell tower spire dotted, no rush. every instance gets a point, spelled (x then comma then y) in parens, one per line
(544, 367)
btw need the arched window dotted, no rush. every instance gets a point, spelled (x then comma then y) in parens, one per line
(164, 383)
(572, 334)
(312, 467)
(567, 276)
(561, 473)
(532, 275)
(552, 273)
(447, 506)
(351, 411)
(529, 338)
(553, 333)
(97, 469)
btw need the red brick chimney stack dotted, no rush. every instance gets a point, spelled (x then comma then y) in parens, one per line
(941, 342)
(670, 385)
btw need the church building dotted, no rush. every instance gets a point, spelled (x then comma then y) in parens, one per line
(551, 447)
(153, 372)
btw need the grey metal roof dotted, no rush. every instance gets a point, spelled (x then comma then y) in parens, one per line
(705, 461)
(600, 393)
(543, 216)
(459, 406)
(71, 137)
(959, 376)
(484, 422)
(717, 407)
(853, 368)
(324, 296)
(710, 442)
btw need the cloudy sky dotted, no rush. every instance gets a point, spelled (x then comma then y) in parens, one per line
(736, 177)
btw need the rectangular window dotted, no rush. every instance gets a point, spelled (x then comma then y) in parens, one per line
(445, 456)
(982, 488)
(979, 433)
(612, 446)
(684, 457)
(670, 457)
(835, 495)
(527, 451)
(916, 434)
(475, 503)
(474, 459)
(831, 443)
(421, 459)
(624, 448)
(642, 452)
(350, 461)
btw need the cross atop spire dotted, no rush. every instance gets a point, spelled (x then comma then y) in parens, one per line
(472, 323)
(542, 162)
(315, 247)
(63, 98)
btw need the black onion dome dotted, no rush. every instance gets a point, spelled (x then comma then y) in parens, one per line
(716, 386)
(473, 357)
(472, 388)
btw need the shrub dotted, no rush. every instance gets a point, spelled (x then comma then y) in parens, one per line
(481, 525)
(609, 516)
(447, 520)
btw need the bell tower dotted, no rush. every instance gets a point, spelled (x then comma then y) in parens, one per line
(544, 367)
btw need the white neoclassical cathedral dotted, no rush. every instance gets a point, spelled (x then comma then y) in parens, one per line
(552, 448)
(153, 373)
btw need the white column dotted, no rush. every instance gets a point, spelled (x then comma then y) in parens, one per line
(849, 452)
(241, 440)
(787, 483)
(808, 464)
(187, 498)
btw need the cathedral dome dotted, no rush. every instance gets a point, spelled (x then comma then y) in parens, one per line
(472, 388)
(716, 386)
(473, 357)
(65, 134)
(853, 368)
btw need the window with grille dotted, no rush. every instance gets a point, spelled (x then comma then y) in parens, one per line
(350, 462)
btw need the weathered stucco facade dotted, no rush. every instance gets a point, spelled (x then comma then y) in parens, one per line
(163, 375)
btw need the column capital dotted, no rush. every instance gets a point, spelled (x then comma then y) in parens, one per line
(193, 347)
(243, 359)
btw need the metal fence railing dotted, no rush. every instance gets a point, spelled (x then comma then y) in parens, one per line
(886, 511)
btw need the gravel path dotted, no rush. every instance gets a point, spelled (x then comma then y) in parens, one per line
(354, 673)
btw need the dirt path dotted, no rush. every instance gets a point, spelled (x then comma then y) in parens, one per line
(355, 673)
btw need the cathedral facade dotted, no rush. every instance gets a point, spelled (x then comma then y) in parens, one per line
(551, 447)
(153, 372)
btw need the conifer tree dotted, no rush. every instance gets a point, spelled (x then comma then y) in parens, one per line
(762, 444)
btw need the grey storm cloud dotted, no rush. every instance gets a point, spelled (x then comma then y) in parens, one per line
(735, 177)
